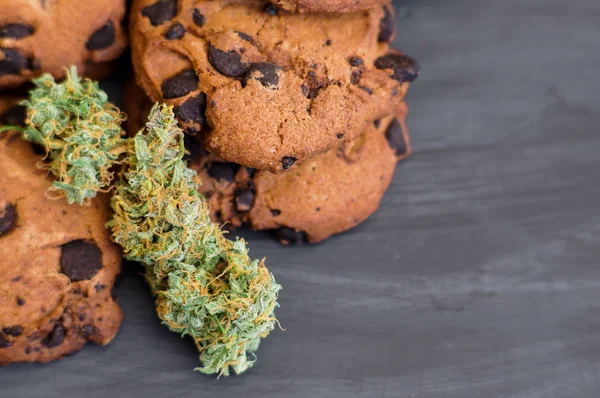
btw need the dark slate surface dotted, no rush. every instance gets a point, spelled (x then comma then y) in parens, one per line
(480, 275)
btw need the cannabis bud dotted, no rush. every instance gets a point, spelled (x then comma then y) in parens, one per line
(80, 131)
(205, 285)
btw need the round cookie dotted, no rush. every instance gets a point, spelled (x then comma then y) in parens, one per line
(47, 36)
(268, 89)
(58, 263)
(326, 195)
(336, 6)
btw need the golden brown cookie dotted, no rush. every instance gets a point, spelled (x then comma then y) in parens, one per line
(58, 263)
(336, 6)
(328, 194)
(38, 36)
(268, 88)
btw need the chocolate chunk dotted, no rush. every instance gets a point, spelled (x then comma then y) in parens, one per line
(192, 110)
(327, 42)
(198, 17)
(223, 171)
(87, 330)
(250, 172)
(245, 199)
(377, 123)
(366, 89)
(27, 350)
(102, 38)
(396, 139)
(161, 11)
(272, 10)
(4, 342)
(340, 136)
(99, 287)
(288, 162)
(20, 302)
(34, 64)
(265, 73)
(179, 85)
(290, 236)
(80, 260)
(227, 63)
(15, 31)
(55, 337)
(356, 61)
(193, 148)
(275, 212)
(15, 330)
(175, 32)
(387, 26)
(305, 90)
(355, 76)
(13, 62)
(15, 116)
(405, 68)
(8, 218)
(246, 37)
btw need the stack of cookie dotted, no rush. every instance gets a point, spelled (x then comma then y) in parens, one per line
(294, 109)
(58, 262)
(295, 119)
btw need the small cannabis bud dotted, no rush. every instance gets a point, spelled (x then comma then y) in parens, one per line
(80, 131)
(205, 285)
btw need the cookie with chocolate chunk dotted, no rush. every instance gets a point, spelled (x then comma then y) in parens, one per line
(267, 88)
(327, 194)
(47, 36)
(336, 6)
(58, 263)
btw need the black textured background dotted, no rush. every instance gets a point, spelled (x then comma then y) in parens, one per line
(479, 276)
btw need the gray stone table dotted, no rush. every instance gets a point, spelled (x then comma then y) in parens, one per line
(479, 276)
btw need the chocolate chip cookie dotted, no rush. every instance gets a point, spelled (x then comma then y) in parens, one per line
(326, 195)
(336, 6)
(38, 36)
(266, 88)
(58, 263)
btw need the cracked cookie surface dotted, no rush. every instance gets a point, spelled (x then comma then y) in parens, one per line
(58, 263)
(328, 194)
(38, 36)
(263, 87)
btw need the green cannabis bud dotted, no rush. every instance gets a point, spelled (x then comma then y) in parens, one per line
(205, 285)
(80, 131)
